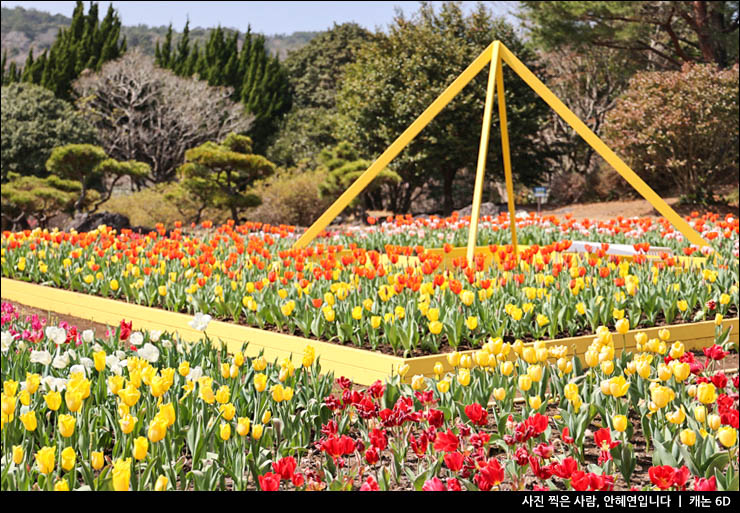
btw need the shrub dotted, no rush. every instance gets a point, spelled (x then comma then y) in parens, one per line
(676, 127)
(33, 123)
(164, 203)
(290, 197)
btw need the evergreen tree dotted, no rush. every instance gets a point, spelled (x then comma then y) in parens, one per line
(85, 44)
(258, 80)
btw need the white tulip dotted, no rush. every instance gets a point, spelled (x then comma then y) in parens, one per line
(42, 357)
(136, 338)
(200, 321)
(149, 353)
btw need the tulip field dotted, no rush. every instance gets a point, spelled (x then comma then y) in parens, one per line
(133, 409)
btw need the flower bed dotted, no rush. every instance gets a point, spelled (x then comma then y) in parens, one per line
(363, 367)
(388, 302)
(142, 410)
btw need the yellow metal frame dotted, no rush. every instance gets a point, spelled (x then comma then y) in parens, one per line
(361, 366)
(497, 53)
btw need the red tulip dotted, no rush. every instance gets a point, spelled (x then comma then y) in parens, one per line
(269, 482)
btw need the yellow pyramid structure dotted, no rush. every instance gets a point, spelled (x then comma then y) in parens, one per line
(496, 54)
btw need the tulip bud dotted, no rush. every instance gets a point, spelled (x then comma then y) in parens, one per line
(225, 431)
(525, 383)
(535, 402)
(257, 431)
(266, 417)
(499, 394)
(700, 413)
(713, 421)
(61, 486)
(161, 484)
(507, 368)
(535, 373)
(607, 367)
(17, 454)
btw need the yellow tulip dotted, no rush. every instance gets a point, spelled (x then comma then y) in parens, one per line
(121, 474)
(224, 431)
(17, 454)
(471, 322)
(507, 368)
(242, 426)
(127, 423)
(266, 416)
(482, 358)
(714, 421)
(661, 396)
(535, 402)
(141, 447)
(700, 413)
(260, 382)
(167, 412)
(592, 358)
(157, 429)
(618, 386)
(443, 386)
(223, 394)
(525, 383)
(620, 423)
(438, 368)
(463, 376)
(228, 410)
(607, 367)
(499, 393)
(435, 327)
(623, 326)
(68, 459)
(46, 459)
(676, 417)
(259, 364)
(53, 400)
(96, 460)
(99, 360)
(257, 431)
(61, 486)
(161, 484)
(664, 335)
(29, 420)
(453, 359)
(66, 425)
(681, 371)
(727, 436)
(706, 393)
(418, 382)
(688, 437)
(403, 369)
(184, 368)
(535, 373)
(32, 382)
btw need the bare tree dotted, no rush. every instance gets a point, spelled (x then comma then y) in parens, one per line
(148, 114)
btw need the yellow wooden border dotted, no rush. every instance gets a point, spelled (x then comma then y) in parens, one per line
(361, 366)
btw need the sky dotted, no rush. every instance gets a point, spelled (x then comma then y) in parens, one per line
(264, 17)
